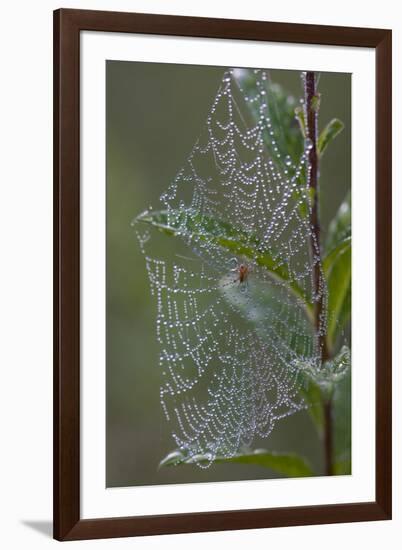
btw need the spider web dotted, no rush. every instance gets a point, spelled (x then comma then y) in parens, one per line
(231, 349)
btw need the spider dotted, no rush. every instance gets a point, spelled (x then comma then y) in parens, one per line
(243, 270)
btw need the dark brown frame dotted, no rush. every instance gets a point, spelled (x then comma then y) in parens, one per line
(67, 27)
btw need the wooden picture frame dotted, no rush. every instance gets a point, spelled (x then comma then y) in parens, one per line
(68, 24)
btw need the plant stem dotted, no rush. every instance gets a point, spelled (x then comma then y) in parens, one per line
(328, 443)
(311, 102)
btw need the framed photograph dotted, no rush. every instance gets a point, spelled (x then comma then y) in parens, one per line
(222, 353)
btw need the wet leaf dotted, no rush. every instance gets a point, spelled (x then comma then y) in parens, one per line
(340, 227)
(330, 373)
(339, 279)
(331, 130)
(337, 267)
(290, 465)
(172, 459)
(312, 394)
(299, 113)
(343, 423)
(281, 111)
(190, 224)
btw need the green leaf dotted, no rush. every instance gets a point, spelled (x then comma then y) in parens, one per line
(284, 139)
(280, 107)
(301, 119)
(339, 278)
(345, 310)
(330, 372)
(192, 225)
(319, 383)
(172, 459)
(343, 423)
(337, 266)
(340, 227)
(264, 306)
(312, 394)
(331, 130)
(331, 258)
(290, 465)
(315, 102)
(343, 467)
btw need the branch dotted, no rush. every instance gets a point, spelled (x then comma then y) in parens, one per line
(311, 117)
(311, 102)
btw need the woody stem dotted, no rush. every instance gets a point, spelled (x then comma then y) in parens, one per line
(311, 101)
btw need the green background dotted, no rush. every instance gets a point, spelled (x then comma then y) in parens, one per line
(154, 114)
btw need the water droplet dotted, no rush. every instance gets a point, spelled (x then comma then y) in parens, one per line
(308, 144)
